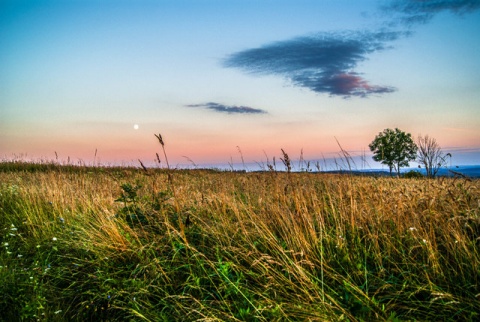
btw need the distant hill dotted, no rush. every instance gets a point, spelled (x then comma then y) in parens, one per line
(471, 171)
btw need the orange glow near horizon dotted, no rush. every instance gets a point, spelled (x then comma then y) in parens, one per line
(128, 147)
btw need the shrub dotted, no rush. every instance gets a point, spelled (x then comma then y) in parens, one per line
(413, 174)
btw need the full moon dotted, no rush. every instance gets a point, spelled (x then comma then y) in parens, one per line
(135, 126)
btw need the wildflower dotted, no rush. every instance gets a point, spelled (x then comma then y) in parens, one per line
(54, 238)
(19, 255)
(412, 228)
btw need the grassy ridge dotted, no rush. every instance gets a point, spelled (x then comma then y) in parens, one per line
(82, 243)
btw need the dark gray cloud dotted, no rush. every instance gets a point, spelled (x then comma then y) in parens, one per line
(411, 12)
(326, 62)
(323, 63)
(229, 109)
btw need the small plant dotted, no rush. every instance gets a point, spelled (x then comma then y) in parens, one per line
(131, 212)
(172, 187)
(286, 161)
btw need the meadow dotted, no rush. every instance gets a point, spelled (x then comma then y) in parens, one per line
(126, 244)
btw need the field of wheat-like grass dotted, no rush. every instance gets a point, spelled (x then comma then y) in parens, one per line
(93, 244)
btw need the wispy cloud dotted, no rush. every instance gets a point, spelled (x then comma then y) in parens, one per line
(411, 12)
(229, 109)
(323, 63)
(326, 62)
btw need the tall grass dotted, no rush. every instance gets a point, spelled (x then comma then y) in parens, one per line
(270, 246)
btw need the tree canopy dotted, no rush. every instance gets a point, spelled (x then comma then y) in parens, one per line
(394, 148)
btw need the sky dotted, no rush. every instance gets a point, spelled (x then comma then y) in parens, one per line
(221, 80)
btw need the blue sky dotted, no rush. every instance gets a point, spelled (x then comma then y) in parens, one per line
(211, 76)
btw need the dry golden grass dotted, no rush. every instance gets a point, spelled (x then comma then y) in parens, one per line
(259, 246)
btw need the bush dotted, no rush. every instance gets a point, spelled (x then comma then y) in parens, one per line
(413, 174)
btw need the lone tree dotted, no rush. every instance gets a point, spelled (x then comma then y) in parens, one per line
(430, 155)
(394, 148)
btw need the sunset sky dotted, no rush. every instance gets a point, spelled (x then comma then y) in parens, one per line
(218, 76)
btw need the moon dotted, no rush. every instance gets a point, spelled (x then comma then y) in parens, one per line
(135, 126)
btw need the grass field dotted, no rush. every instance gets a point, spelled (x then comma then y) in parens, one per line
(93, 244)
